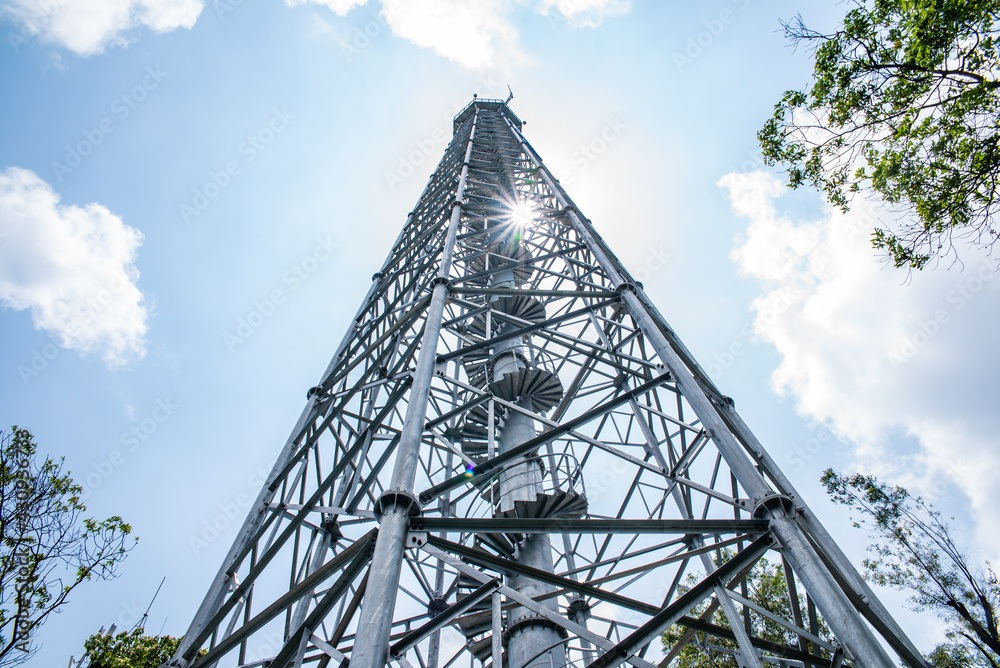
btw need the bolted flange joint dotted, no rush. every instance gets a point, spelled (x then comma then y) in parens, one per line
(627, 286)
(771, 500)
(569, 208)
(529, 622)
(396, 497)
(578, 606)
(440, 280)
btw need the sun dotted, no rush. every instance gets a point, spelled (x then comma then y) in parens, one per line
(523, 214)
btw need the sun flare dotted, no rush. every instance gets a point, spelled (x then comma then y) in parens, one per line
(523, 214)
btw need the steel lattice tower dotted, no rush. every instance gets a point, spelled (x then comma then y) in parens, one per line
(513, 460)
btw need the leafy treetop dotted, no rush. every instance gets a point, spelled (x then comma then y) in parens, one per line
(904, 103)
(47, 546)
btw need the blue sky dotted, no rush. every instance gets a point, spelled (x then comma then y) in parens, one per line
(194, 196)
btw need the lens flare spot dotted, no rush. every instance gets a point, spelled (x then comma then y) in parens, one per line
(523, 214)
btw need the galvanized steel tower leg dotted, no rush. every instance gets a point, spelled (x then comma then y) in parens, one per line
(397, 505)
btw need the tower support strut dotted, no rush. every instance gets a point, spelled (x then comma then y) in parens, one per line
(513, 461)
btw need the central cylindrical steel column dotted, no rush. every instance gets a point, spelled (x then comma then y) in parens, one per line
(532, 641)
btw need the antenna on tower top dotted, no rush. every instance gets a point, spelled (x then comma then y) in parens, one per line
(509, 97)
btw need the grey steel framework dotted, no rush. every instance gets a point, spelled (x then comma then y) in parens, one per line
(512, 459)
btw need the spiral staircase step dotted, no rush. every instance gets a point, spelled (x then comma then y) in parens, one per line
(540, 386)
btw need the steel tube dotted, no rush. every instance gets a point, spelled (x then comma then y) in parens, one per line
(375, 623)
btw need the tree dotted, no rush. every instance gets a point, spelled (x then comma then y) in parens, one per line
(913, 551)
(766, 587)
(47, 546)
(903, 104)
(133, 649)
(953, 654)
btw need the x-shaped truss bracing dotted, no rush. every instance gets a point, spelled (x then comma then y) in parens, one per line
(512, 458)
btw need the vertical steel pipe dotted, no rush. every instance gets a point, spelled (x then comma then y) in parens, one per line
(375, 623)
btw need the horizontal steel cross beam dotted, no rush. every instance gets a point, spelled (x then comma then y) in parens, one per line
(588, 526)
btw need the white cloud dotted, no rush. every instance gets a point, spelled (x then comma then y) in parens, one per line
(88, 27)
(468, 33)
(73, 267)
(471, 34)
(476, 35)
(885, 362)
(585, 13)
(340, 7)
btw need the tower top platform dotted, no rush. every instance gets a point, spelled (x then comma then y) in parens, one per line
(488, 105)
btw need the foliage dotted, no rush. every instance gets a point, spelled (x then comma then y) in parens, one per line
(47, 546)
(954, 654)
(766, 587)
(904, 103)
(914, 551)
(129, 650)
